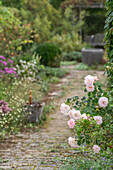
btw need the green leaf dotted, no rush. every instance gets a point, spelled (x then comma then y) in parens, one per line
(79, 142)
(85, 90)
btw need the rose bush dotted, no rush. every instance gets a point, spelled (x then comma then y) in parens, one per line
(91, 116)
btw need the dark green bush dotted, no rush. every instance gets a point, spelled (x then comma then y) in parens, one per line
(74, 55)
(50, 54)
(94, 21)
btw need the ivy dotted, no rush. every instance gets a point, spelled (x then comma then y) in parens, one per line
(109, 41)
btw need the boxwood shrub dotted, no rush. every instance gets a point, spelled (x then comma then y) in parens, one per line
(50, 54)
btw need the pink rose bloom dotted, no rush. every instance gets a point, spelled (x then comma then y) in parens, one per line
(64, 109)
(72, 142)
(71, 112)
(95, 78)
(9, 42)
(96, 148)
(84, 116)
(76, 114)
(90, 88)
(103, 101)
(89, 80)
(71, 123)
(98, 119)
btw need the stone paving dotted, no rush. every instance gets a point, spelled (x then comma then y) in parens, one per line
(39, 150)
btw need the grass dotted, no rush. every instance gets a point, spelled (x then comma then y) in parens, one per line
(86, 161)
(66, 63)
(82, 66)
(50, 72)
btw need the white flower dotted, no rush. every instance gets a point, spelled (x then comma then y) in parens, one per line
(64, 109)
(96, 148)
(103, 101)
(84, 116)
(89, 80)
(76, 114)
(98, 119)
(72, 142)
(1, 111)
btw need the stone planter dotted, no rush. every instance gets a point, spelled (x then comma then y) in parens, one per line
(92, 56)
(34, 111)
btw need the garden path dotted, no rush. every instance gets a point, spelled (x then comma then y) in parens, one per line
(39, 149)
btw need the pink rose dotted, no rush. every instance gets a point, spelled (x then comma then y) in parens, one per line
(71, 123)
(96, 148)
(90, 88)
(98, 119)
(103, 101)
(95, 78)
(71, 112)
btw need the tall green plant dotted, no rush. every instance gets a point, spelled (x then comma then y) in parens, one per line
(109, 41)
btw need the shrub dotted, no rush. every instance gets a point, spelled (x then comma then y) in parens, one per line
(50, 54)
(29, 69)
(68, 42)
(74, 55)
(91, 116)
(16, 37)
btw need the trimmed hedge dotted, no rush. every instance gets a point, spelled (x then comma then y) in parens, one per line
(50, 54)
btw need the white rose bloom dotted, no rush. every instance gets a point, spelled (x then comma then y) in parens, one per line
(98, 119)
(84, 116)
(96, 148)
(89, 80)
(64, 109)
(103, 101)
(76, 114)
(72, 142)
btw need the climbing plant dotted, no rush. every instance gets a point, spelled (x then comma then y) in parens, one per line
(109, 42)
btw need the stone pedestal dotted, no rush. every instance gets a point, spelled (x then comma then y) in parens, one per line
(92, 56)
(34, 111)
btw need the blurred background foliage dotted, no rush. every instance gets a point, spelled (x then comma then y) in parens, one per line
(49, 21)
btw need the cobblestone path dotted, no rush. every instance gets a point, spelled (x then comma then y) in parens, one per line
(39, 149)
